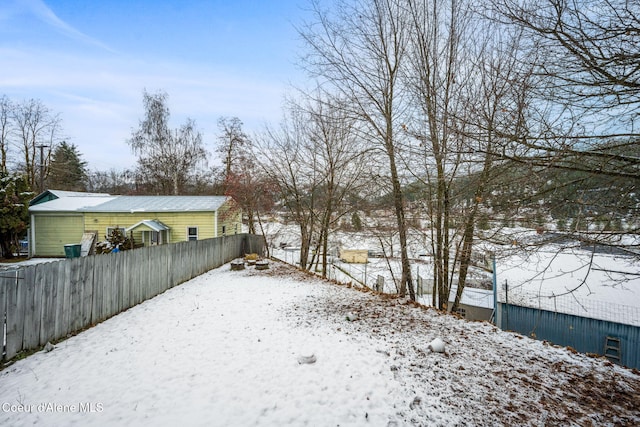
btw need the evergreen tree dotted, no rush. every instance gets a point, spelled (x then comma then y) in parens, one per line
(14, 211)
(67, 170)
(356, 222)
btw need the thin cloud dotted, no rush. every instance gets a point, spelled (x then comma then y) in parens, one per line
(45, 14)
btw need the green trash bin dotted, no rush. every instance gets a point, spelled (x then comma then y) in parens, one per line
(72, 251)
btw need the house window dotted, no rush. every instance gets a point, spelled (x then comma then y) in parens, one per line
(192, 233)
(110, 231)
(462, 312)
(224, 230)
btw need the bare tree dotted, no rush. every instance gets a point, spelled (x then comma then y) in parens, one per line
(496, 100)
(439, 71)
(167, 160)
(359, 51)
(585, 58)
(6, 110)
(37, 130)
(233, 144)
(241, 178)
(250, 188)
(283, 157)
(112, 181)
(339, 160)
(317, 161)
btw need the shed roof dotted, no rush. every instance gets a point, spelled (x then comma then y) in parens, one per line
(474, 297)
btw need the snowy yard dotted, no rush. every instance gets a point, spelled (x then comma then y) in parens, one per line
(225, 349)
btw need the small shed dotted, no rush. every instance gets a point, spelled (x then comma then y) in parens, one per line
(354, 256)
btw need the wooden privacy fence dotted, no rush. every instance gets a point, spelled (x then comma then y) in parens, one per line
(49, 301)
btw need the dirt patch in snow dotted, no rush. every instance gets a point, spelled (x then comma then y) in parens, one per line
(484, 377)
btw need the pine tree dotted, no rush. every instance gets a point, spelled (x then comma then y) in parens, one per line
(67, 170)
(14, 211)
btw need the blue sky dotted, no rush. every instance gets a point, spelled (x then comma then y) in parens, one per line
(91, 60)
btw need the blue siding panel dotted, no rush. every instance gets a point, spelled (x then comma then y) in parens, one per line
(581, 333)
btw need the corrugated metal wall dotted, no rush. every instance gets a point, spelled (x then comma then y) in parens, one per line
(581, 333)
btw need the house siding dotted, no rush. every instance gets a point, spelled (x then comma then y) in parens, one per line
(53, 231)
(54, 228)
(229, 217)
(178, 222)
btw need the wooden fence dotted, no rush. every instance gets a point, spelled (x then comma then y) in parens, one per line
(47, 302)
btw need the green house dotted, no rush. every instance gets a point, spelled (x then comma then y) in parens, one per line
(60, 218)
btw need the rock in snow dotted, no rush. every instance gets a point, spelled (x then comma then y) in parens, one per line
(437, 346)
(307, 359)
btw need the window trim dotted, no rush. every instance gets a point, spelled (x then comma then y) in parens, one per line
(192, 237)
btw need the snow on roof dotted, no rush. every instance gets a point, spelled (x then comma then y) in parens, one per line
(71, 203)
(64, 193)
(155, 225)
(473, 297)
(96, 202)
(160, 204)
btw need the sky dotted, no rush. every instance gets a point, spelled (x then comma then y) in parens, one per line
(90, 62)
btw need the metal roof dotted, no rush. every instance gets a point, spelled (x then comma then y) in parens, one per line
(154, 225)
(49, 195)
(87, 202)
(70, 204)
(160, 204)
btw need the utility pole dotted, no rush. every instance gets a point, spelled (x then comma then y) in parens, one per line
(42, 147)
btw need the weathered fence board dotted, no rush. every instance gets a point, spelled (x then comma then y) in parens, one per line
(44, 275)
(47, 302)
(14, 315)
(63, 306)
(86, 278)
(75, 293)
(112, 290)
(123, 283)
(98, 289)
(33, 307)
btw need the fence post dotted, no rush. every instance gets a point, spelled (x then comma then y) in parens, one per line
(380, 284)
(497, 317)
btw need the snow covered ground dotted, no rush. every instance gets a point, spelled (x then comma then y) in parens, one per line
(231, 348)
(537, 272)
